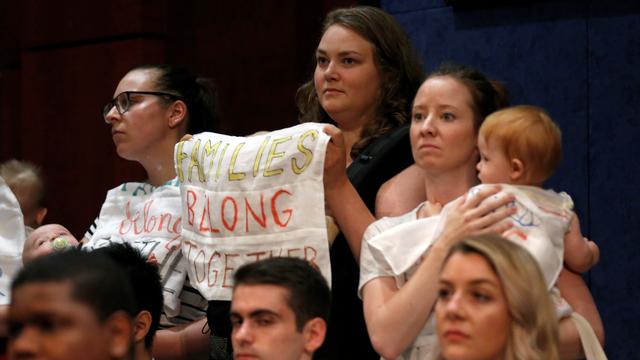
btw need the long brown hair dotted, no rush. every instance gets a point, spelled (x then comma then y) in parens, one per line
(400, 67)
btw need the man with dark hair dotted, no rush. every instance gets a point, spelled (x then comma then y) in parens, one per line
(71, 305)
(279, 310)
(147, 290)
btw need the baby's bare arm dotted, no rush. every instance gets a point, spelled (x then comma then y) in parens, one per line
(580, 254)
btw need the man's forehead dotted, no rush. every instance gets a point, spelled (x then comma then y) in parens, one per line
(249, 298)
(46, 287)
(44, 298)
(43, 291)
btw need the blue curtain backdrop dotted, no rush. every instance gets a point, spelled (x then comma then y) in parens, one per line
(578, 60)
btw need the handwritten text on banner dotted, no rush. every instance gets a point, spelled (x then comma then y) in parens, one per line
(250, 198)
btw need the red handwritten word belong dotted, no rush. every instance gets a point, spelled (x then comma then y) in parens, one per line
(214, 214)
(145, 223)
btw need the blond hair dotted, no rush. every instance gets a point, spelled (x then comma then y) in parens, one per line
(533, 332)
(24, 175)
(529, 134)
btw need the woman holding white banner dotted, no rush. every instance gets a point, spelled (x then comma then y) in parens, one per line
(365, 77)
(152, 108)
(398, 301)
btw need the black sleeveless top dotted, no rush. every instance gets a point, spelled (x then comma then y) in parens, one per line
(347, 336)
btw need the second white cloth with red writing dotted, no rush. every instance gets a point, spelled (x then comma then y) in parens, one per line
(251, 198)
(148, 218)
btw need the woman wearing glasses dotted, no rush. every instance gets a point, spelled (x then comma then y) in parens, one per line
(153, 107)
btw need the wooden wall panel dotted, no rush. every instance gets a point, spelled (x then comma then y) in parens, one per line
(63, 128)
(250, 55)
(258, 55)
(48, 23)
(9, 79)
(68, 57)
(9, 33)
(9, 114)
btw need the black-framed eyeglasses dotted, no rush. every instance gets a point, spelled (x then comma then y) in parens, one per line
(122, 102)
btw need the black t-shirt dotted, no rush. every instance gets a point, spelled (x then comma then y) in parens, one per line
(347, 336)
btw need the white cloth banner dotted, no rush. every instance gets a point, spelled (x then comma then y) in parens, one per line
(540, 223)
(12, 236)
(250, 198)
(149, 219)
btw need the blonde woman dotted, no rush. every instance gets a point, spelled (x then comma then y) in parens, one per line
(493, 303)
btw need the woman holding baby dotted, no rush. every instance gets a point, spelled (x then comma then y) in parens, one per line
(447, 112)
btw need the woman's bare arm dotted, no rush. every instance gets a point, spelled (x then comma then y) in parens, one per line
(574, 290)
(182, 342)
(394, 316)
(402, 193)
(348, 209)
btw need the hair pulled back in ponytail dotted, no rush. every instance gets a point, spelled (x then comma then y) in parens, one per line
(199, 94)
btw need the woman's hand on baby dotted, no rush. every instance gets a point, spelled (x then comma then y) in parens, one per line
(482, 213)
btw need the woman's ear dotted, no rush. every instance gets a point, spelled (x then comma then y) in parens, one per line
(177, 113)
(517, 169)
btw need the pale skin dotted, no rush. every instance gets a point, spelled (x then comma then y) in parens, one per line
(147, 133)
(45, 240)
(264, 325)
(443, 141)
(347, 79)
(351, 214)
(494, 166)
(39, 243)
(471, 300)
(580, 254)
(577, 294)
(401, 193)
(396, 316)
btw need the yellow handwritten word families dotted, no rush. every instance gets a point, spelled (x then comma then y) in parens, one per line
(222, 160)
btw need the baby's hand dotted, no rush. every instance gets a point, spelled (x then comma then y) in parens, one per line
(595, 251)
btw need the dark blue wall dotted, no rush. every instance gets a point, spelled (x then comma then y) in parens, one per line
(578, 60)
